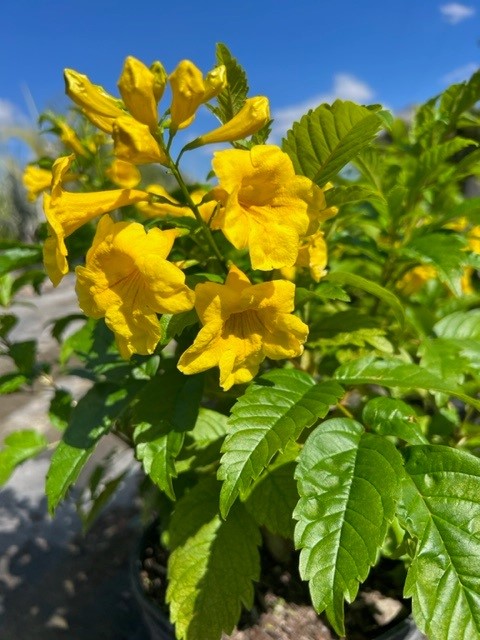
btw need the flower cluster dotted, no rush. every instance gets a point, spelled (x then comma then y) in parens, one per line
(260, 216)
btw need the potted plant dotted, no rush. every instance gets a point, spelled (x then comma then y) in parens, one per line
(291, 350)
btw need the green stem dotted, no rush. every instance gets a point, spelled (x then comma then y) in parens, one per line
(205, 228)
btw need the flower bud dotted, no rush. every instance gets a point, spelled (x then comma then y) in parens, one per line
(254, 114)
(136, 85)
(99, 106)
(160, 80)
(134, 143)
(215, 82)
(188, 90)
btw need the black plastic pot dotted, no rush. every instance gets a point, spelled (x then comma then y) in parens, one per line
(160, 627)
(157, 622)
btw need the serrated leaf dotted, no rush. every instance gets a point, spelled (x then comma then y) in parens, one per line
(91, 419)
(12, 258)
(446, 251)
(274, 495)
(345, 277)
(327, 138)
(392, 417)
(18, 447)
(352, 193)
(441, 509)
(443, 359)
(233, 97)
(459, 325)
(460, 97)
(396, 373)
(166, 408)
(349, 482)
(434, 157)
(324, 291)
(275, 409)
(211, 566)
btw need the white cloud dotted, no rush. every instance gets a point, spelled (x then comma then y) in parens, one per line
(460, 74)
(455, 12)
(345, 86)
(7, 112)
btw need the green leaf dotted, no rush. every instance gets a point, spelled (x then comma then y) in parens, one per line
(60, 410)
(459, 325)
(458, 98)
(275, 409)
(349, 482)
(352, 193)
(18, 447)
(434, 158)
(11, 382)
(233, 97)
(24, 354)
(172, 326)
(396, 373)
(6, 286)
(211, 566)
(166, 408)
(392, 417)
(324, 291)
(443, 359)
(18, 256)
(344, 277)
(209, 427)
(446, 251)
(98, 502)
(274, 495)
(7, 323)
(327, 138)
(91, 419)
(441, 510)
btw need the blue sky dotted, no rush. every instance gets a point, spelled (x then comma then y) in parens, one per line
(298, 53)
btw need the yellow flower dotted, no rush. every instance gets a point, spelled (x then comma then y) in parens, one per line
(254, 114)
(36, 180)
(173, 208)
(70, 138)
(266, 207)
(133, 142)
(313, 255)
(473, 239)
(243, 325)
(137, 88)
(123, 174)
(66, 212)
(414, 279)
(190, 90)
(99, 106)
(127, 280)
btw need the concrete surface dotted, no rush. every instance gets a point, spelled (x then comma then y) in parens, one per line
(54, 581)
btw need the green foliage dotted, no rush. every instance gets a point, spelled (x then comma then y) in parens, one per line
(349, 483)
(92, 418)
(358, 432)
(273, 412)
(325, 139)
(208, 583)
(18, 447)
(233, 97)
(441, 511)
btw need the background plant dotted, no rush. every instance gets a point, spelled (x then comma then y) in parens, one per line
(363, 445)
